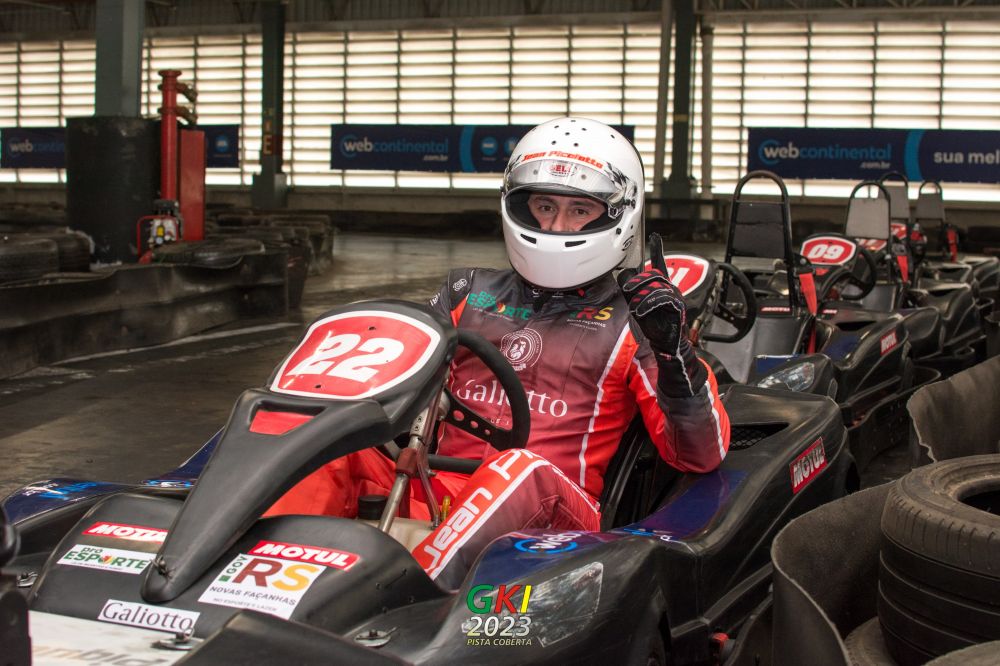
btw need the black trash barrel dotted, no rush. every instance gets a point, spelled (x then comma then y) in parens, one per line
(112, 178)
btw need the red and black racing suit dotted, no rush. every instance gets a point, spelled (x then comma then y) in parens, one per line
(586, 368)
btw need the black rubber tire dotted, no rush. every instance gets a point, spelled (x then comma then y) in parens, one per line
(984, 654)
(931, 536)
(945, 610)
(27, 257)
(866, 647)
(939, 586)
(73, 249)
(175, 253)
(912, 640)
(221, 253)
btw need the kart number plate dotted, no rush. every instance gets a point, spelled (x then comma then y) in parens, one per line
(356, 355)
(686, 271)
(829, 250)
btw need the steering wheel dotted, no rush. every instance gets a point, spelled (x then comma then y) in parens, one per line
(465, 418)
(744, 321)
(839, 274)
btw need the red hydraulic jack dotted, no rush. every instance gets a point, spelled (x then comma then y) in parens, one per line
(179, 213)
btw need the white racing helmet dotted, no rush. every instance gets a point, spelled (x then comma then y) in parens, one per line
(572, 156)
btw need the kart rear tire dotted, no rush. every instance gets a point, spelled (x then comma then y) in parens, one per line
(866, 646)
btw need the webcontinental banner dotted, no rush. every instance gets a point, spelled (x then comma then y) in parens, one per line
(958, 156)
(448, 148)
(45, 147)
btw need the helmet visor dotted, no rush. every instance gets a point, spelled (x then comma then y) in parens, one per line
(557, 176)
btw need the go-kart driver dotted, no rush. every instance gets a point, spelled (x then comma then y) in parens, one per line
(588, 353)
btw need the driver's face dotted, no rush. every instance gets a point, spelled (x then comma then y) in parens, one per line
(557, 212)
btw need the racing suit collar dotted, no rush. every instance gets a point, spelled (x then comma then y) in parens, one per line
(596, 292)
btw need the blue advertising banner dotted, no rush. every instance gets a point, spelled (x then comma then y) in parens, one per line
(45, 147)
(958, 156)
(448, 148)
(32, 147)
(222, 146)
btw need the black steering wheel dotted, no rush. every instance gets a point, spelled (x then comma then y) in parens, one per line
(464, 418)
(742, 322)
(840, 274)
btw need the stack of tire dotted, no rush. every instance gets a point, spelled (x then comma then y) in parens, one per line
(939, 567)
(212, 253)
(34, 243)
(295, 243)
(321, 233)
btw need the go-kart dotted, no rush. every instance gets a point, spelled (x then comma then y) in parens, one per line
(944, 262)
(184, 561)
(881, 225)
(774, 318)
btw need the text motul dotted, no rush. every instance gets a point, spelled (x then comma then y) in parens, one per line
(888, 342)
(293, 551)
(131, 532)
(808, 465)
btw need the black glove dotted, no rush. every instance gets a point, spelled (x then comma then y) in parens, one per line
(658, 308)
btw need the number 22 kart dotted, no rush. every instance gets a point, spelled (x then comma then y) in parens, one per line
(183, 566)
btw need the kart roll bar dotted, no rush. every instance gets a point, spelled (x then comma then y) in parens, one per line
(930, 208)
(899, 208)
(762, 228)
(865, 227)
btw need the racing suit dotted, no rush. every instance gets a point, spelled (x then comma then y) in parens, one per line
(586, 369)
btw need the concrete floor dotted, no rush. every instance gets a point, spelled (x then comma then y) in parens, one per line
(126, 416)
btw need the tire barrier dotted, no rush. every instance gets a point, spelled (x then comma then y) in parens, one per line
(939, 568)
(957, 417)
(66, 315)
(920, 580)
(27, 257)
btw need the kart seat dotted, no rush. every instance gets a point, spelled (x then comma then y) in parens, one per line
(868, 218)
(923, 325)
(924, 329)
(882, 298)
(935, 272)
(986, 271)
(775, 332)
(956, 304)
(899, 201)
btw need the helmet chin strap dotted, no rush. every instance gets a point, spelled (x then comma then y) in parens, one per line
(546, 293)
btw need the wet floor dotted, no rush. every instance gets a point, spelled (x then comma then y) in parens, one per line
(126, 416)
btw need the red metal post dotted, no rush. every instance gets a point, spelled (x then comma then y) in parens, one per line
(168, 135)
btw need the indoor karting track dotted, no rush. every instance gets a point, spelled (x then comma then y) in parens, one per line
(126, 416)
